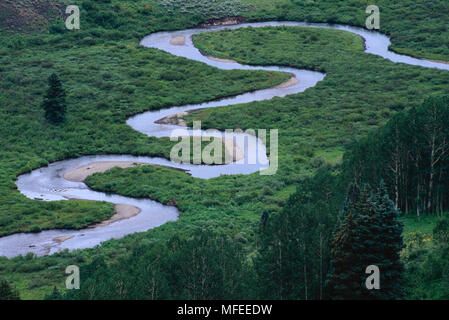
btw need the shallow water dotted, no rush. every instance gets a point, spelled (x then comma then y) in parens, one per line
(49, 184)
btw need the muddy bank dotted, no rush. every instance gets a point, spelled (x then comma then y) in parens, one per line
(220, 59)
(80, 174)
(290, 82)
(438, 61)
(122, 211)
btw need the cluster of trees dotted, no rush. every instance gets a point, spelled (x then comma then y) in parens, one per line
(411, 153)
(294, 251)
(320, 245)
(369, 234)
(307, 254)
(204, 266)
(299, 255)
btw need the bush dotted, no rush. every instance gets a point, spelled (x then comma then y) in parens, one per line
(441, 232)
(7, 292)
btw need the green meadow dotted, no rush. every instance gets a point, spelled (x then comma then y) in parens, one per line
(109, 77)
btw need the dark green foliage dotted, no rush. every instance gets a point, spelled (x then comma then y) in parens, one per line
(7, 292)
(54, 102)
(294, 251)
(369, 234)
(98, 16)
(344, 278)
(54, 295)
(427, 271)
(412, 154)
(204, 266)
(263, 219)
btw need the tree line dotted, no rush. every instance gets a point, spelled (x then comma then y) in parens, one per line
(338, 222)
(411, 154)
(311, 250)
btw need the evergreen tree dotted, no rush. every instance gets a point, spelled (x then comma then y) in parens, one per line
(54, 102)
(7, 292)
(385, 237)
(370, 234)
(347, 268)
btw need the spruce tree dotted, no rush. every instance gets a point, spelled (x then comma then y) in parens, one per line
(369, 234)
(389, 245)
(346, 271)
(54, 103)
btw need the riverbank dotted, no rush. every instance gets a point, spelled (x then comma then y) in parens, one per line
(80, 174)
(122, 211)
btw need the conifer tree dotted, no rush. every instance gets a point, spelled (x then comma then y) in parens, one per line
(389, 245)
(54, 103)
(369, 234)
(345, 276)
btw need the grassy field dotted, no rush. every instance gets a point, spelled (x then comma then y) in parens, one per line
(102, 93)
(108, 77)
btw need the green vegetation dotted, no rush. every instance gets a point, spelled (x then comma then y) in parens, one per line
(201, 267)
(293, 257)
(6, 292)
(211, 9)
(416, 27)
(54, 101)
(108, 77)
(426, 256)
(413, 165)
(369, 233)
(128, 79)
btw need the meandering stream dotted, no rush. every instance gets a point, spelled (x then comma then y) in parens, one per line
(49, 184)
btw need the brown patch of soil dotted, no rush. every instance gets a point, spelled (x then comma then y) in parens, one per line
(178, 40)
(28, 15)
(80, 174)
(63, 238)
(290, 82)
(122, 211)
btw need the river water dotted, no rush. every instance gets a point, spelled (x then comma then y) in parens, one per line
(48, 183)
